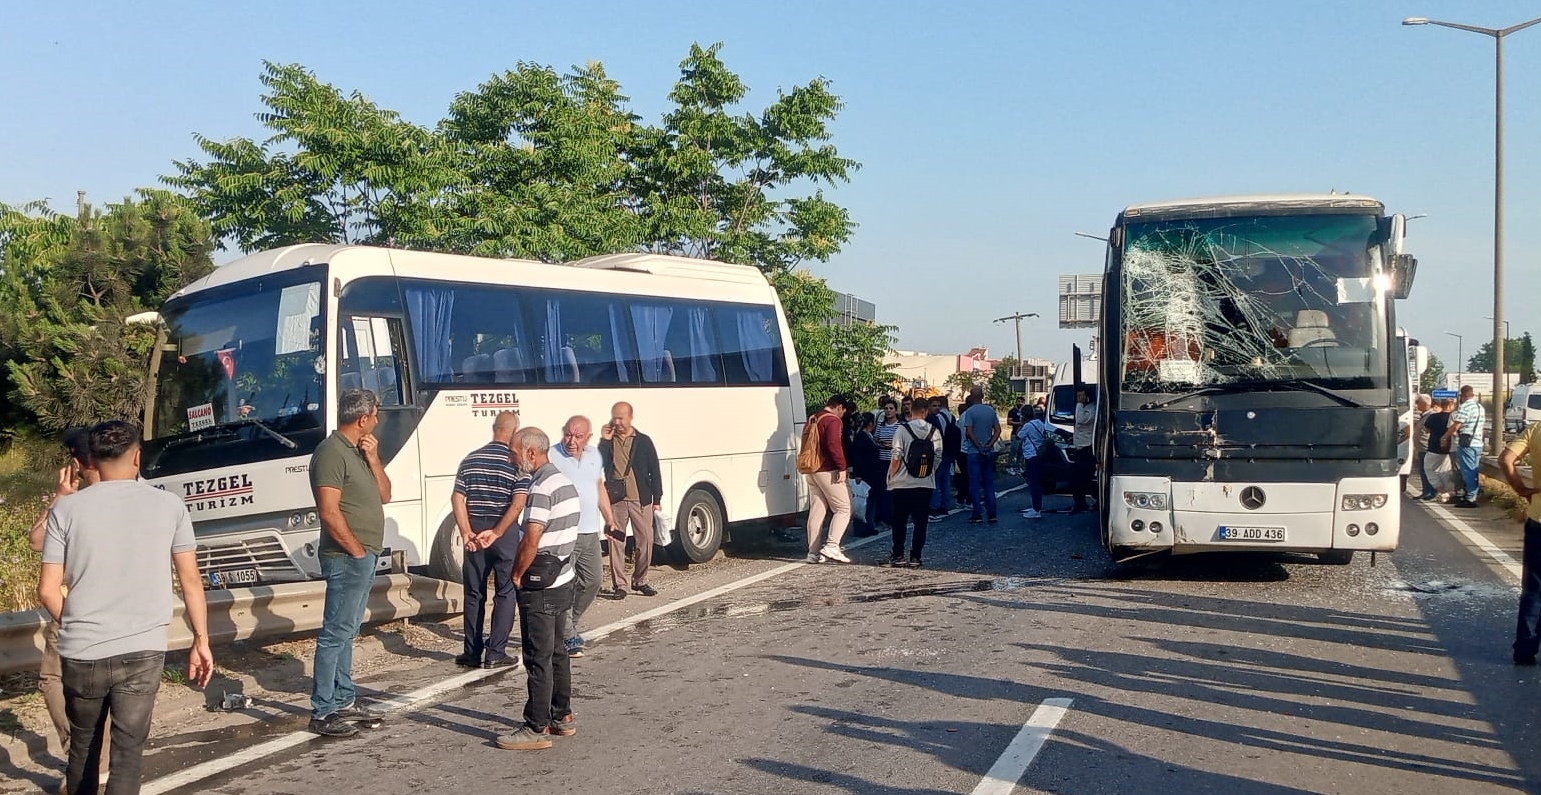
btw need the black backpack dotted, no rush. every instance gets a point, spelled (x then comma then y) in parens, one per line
(952, 436)
(920, 456)
(1046, 443)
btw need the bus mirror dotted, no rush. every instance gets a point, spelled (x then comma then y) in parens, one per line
(1420, 360)
(1403, 268)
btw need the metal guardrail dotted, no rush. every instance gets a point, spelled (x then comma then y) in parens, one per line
(1490, 468)
(257, 613)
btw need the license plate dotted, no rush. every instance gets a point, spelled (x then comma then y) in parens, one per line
(230, 579)
(1251, 533)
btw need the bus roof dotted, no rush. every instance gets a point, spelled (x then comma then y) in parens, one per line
(431, 265)
(1236, 205)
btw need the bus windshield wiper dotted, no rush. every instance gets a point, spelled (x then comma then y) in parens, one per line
(265, 428)
(1233, 387)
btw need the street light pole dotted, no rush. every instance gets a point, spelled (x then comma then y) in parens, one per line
(1498, 35)
(1460, 357)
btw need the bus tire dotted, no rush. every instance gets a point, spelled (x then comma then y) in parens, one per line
(1336, 557)
(448, 554)
(698, 533)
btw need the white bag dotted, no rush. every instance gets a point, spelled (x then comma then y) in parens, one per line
(1436, 467)
(663, 531)
(859, 492)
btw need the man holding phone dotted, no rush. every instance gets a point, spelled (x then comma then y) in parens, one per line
(351, 490)
(634, 482)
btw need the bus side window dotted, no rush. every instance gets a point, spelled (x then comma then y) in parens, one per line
(372, 360)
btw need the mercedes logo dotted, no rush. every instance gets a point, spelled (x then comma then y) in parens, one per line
(1253, 498)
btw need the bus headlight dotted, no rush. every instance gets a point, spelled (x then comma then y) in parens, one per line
(1145, 499)
(1363, 502)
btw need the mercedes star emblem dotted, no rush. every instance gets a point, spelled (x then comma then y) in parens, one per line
(1253, 498)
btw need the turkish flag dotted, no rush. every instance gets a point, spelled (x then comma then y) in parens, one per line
(227, 358)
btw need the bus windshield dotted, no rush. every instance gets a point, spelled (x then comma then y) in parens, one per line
(241, 376)
(1253, 299)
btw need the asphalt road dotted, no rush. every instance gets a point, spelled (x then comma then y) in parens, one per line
(1261, 675)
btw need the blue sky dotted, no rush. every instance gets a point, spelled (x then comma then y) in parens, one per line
(989, 132)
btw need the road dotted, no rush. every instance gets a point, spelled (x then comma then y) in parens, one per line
(1254, 675)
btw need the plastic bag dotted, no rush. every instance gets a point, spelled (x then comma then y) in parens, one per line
(663, 529)
(1436, 467)
(859, 492)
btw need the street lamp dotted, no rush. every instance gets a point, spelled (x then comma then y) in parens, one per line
(1498, 35)
(1460, 357)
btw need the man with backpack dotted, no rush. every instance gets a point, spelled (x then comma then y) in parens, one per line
(952, 448)
(917, 451)
(1037, 445)
(822, 461)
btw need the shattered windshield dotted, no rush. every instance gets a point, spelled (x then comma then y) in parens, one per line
(1253, 299)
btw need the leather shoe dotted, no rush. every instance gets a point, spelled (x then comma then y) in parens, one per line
(616, 594)
(646, 590)
(467, 661)
(505, 662)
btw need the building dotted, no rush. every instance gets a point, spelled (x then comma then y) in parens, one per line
(850, 310)
(919, 371)
(1481, 382)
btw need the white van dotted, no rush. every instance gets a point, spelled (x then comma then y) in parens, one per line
(1523, 408)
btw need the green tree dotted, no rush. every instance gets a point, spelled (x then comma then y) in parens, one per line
(998, 390)
(1516, 358)
(69, 285)
(962, 381)
(1433, 375)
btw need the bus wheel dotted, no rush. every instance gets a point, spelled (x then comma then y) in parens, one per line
(698, 533)
(447, 555)
(1336, 557)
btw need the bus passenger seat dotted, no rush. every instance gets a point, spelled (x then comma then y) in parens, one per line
(1311, 327)
(346, 381)
(478, 368)
(508, 366)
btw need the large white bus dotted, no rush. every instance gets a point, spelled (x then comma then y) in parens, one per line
(253, 357)
(1251, 380)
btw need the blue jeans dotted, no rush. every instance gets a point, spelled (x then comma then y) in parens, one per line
(981, 483)
(348, 581)
(1470, 459)
(1423, 477)
(1527, 631)
(941, 496)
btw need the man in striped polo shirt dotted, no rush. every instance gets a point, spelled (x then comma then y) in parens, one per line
(544, 571)
(489, 495)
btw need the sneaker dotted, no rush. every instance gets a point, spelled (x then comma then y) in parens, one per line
(976, 520)
(574, 644)
(332, 726)
(355, 712)
(523, 739)
(645, 590)
(937, 514)
(896, 561)
(813, 557)
(1031, 514)
(1465, 503)
(616, 594)
(914, 563)
(834, 553)
(566, 726)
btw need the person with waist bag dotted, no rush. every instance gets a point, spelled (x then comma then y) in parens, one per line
(489, 495)
(1466, 427)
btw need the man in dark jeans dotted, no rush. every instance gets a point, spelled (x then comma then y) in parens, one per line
(108, 546)
(1527, 631)
(351, 490)
(489, 495)
(545, 572)
(1083, 469)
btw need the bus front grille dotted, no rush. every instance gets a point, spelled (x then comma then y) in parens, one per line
(263, 556)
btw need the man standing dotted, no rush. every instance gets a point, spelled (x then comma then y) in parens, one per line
(952, 448)
(634, 481)
(1036, 434)
(108, 545)
(583, 465)
(981, 430)
(489, 495)
(545, 572)
(1527, 631)
(351, 491)
(1014, 421)
(1084, 466)
(1466, 427)
(1420, 444)
(911, 489)
(828, 493)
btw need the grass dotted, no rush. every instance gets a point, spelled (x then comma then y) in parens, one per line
(27, 473)
(1498, 493)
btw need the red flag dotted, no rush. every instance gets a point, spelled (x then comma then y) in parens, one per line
(227, 358)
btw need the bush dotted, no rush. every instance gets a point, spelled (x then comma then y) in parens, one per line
(27, 470)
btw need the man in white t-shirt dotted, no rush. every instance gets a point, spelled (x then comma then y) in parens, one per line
(581, 462)
(910, 491)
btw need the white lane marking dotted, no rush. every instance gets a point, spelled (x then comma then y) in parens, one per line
(405, 702)
(1014, 761)
(1481, 541)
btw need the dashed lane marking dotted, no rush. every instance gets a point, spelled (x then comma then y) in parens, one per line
(407, 701)
(1014, 761)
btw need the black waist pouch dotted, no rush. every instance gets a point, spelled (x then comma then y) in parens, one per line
(542, 572)
(1464, 439)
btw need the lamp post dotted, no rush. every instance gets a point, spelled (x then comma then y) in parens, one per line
(1460, 357)
(1498, 35)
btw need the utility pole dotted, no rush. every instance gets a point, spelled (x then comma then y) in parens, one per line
(1016, 318)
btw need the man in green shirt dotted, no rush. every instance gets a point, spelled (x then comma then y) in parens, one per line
(351, 490)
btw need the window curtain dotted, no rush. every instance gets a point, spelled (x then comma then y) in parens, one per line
(756, 346)
(556, 363)
(617, 343)
(431, 310)
(652, 323)
(702, 368)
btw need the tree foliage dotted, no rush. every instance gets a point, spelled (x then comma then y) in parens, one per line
(963, 381)
(67, 287)
(1517, 359)
(1433, 375)
(550, 166)
(998, 390)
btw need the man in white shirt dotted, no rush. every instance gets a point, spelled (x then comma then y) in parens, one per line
(581, 462)
(1084, 464)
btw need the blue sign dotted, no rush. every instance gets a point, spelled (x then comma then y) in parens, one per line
(1444, 394)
